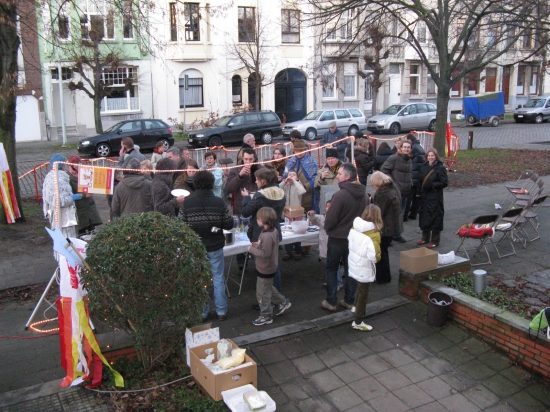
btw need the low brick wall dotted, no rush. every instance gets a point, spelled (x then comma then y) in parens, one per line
(409, 283)
(113, 355)
(497, 327)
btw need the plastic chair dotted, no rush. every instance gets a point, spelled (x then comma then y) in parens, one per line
(481, 229)
(509, 226)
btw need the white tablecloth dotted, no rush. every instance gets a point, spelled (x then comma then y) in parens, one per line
(241, 246)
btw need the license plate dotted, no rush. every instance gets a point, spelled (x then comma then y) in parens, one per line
(520, 115)
(190, 140)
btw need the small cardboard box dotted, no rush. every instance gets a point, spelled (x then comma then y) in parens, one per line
(293, 211)
(216, 382)
(418, 260)
(200, 335)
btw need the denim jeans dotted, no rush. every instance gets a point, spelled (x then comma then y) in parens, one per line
(216, 259)
(337, 251)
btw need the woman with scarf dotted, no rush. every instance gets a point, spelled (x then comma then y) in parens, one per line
(363, 152)
(306, 169)
(278, 164)
(185, 180)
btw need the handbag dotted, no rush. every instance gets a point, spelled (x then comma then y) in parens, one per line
(67, 216)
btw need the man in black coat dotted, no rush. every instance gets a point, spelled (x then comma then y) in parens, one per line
(418, 158)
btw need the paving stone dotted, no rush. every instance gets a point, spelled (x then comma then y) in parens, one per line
(282, 372)
(355, 350)
(350, 372)
(399, 337)
(278, 396)
(343, 334)
(309, 364)
(458, 380)
(325, 381)
(317, 341)
(456, 355)
(500, 386)
(289, 407)
(431, 407)
(415, 372)
(368, 388)
(459, 403)
(437, 388)
(361, 408)
(436, 343)
(267, 354)
(437, 365)
(315, 405)
(295, 348)
(413, 396)
(502, 407)
(333, 356)
(374, 364)
(383, 323)
(541, 392)
(519, 376)
(477, 370)
(396, 357)
(377, 343)
(494, 360)
(454, 333)
(392, 379)
(475, 346)
(388, 403)
(524, 401)
(416, 351)
(344, 398)
(294, 391)
(481, 396)
(265, 380)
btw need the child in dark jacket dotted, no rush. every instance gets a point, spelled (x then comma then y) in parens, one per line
(266, 252)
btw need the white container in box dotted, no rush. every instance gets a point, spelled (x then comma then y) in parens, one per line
(200, 335)
(234, 400)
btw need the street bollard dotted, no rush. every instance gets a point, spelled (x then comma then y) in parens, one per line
(470, 139)
(480, 281)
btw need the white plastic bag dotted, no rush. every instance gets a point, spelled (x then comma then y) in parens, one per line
(446, 259)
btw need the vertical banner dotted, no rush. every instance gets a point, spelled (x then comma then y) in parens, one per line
(7, 191)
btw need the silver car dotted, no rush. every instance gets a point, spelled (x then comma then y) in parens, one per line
(315, 124)
(535, 110)
(400, 117)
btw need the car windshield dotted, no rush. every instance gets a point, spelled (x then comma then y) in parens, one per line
(115, 127)
(223, 121)
(394, 109)
(535, 103)
(313, 115)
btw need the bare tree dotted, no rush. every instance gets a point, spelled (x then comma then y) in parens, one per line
(456, 29)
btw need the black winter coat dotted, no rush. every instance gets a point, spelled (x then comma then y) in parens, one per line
(418, 159)
(432, 210)
(381, 157)
(388, 199)
(363, 160)
(398, 167)
(272, 196)
(163, 201)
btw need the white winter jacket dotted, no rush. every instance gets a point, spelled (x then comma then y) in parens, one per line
(362, 254)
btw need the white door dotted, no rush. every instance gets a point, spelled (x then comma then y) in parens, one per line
(27, 120)
(394, 84)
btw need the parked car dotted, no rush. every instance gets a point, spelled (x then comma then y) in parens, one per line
(315, 124)
(536, 109)
(400, 117)
(263, 124)
(484, 108)
(144, 133)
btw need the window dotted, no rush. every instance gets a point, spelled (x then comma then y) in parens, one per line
(173, 22)
(342, 114)
(236, 90)
(331, 34)
(191, 14)
(328, 115)
(270, 117)
(122, 89)
(509, 38)
(414, 79)
(430, 84)
(328, 81)
(368, 86)
(290, 26)
(153, 124)
(492, 37)
(66, 73)
(127, 20)
(421, 32)
(193, 96)
(421, 108)
(533, 84)
(350, 79)
(394, 29)
(98, 20)
(491, 79)
(63, 27)
(131, 126)
(247, 24)
(527, 39)
(521, 79)
(252, 118)
(346, 31)
(356, 113)
(471, 83)
(456, 87)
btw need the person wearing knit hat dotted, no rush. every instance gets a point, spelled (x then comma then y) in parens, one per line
(334, 134)
(363, 156)
(327, 175)
(86, 209)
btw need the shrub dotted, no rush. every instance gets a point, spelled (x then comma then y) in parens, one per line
(149, 276)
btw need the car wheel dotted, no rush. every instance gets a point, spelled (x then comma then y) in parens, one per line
(352, 130)
(103, 150)
(395, 128)
(214, 141)
(538, 118)
(495, 122)
(266, 138)
(311, 134)
(165, 143)
(431, 126)
(472, 119)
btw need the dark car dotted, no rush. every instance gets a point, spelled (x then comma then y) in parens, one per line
(264, 125)
(144, 133)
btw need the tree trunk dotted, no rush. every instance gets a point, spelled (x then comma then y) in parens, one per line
(9, 43)
(97, 115)
(443, 98)
(257, 98)
(374, 107)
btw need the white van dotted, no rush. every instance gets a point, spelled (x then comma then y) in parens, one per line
(536, 109)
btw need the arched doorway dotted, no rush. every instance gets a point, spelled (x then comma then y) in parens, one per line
(252, 92)
(290, 95)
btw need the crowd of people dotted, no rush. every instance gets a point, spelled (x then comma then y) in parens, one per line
(356, 227)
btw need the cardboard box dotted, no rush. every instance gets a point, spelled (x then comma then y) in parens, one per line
(293, 211)
(418, 260)
(200, 335)
(216, 382)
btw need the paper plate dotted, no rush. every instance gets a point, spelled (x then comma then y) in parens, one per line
(180, 192)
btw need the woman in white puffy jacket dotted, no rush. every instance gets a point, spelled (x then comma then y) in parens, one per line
(364, 252)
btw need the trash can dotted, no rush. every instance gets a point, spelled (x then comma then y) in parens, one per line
(438, 308)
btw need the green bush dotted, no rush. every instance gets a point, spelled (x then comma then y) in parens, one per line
(149, 276)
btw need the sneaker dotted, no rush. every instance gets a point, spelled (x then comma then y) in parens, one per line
(361, 326)
(324, 284)
(400, 239)
(353, 310)
(328, 306)
(222, 317)
(344, 304)
(279, 309)
(262, 321)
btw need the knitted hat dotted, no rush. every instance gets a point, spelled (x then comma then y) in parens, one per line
(299, 145)
(57, 158)
(75, 159)
(332, 124)
(332, 153)
(359, 135)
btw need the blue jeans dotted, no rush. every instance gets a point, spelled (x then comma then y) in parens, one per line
(337, 251)
(216, 259)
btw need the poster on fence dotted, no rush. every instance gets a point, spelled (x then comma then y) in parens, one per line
(95, 180)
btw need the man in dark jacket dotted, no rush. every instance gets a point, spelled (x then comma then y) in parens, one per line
(127, 152)
(175, 154)
(208, 215)
(332, 136)
(418, 159)
(249, 142)
(133, 193)
(347, 204)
